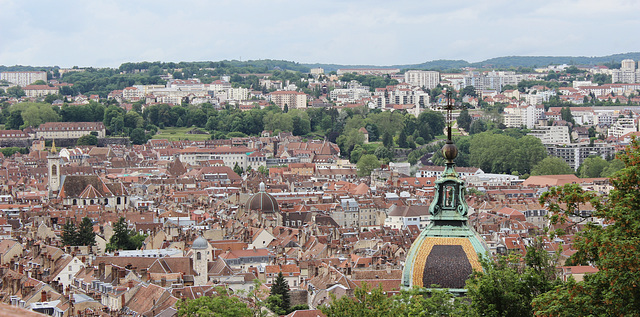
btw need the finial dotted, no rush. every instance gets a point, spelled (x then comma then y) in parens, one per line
(53, 147)
(449, 150)
(262, 187)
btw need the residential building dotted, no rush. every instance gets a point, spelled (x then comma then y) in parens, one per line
(422, 78)
(292, 99)
(34, 91)
(575, 153)
(23, 78)
(623, 126)
(552, 135)
(69, 130)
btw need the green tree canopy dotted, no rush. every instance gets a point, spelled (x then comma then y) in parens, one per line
(592, 166)
(552, 165)
(88, 139)
(613, 248)
(222, 304)
(279, 300)
(367, 164)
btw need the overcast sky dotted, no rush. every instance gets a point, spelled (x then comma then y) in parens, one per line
(108, 33)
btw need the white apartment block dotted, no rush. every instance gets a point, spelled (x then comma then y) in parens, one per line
(293, 99)
(622, 127)
(552, 135)
(422, 78)
(23, 78)
(34, 91)
(627, 73)
(575, 153)
(351, 94)
(526, 115)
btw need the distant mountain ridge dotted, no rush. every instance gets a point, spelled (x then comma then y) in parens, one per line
(497, 62)
(440, 65)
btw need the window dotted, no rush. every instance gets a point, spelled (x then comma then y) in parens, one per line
(70, 268)
(198, 256)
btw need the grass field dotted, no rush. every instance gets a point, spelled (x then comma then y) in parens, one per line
(176, 134)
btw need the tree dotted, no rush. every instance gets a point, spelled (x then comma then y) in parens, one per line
(370, 302)
(387, 140)
(237, 169)
(123, 238)
(402, 139)
(464, 120)
(613, 290)
(86, 236)
(478, 126)
(221, 304)
(15, 91)
(552, 165)
(279, 299)
(507, 285)
(138, 136)
(367, 164)
(566, 115)
(88, 139)
(14, 122)
(69, 233)
(592, 167)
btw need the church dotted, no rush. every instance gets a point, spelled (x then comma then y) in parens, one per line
(84, 190)
(447, 251)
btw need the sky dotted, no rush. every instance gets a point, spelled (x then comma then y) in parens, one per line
(369, 32)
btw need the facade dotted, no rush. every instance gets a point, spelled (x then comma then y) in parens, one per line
(575, 153)
(292, 99)
(229, 155)
(622, 127)
(552, 135)
(422, 78)
(35, 91)
(69, 130)
(23, 78)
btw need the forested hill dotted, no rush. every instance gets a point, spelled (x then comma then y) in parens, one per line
(266, 65)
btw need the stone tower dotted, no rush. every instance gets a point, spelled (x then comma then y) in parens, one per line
(201, 254)
(53, 164)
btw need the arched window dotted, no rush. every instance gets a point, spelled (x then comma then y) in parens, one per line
(106, 201)
(119, 201)
(54, 170)
(198, 256)
(92, 201)
(75, 202)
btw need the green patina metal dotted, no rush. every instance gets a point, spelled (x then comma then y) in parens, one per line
(448, 212)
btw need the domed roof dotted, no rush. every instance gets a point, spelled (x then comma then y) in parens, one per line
(447, 262)
(200, 243)
(262, 201)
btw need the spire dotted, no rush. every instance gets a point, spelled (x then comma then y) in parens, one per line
(53, 147)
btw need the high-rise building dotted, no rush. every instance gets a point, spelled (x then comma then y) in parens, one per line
(422, 78)
(23, 78)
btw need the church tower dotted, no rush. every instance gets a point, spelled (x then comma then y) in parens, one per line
(201, 255)
(53, 164)
(446, 251)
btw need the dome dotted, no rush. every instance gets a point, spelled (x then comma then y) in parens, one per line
(444, 261)
(200, 243)
(262, 201)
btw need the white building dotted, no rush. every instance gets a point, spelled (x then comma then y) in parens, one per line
(552, 135)
(622, 127)
(23, 78)
(422, 78)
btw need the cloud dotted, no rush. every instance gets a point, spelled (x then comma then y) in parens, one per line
(108, 33)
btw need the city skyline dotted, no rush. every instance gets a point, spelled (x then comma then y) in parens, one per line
(106, 34)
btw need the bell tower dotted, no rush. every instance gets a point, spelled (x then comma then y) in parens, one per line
(53, 164)
(446, 252)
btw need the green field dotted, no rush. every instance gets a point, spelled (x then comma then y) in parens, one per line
(176, 134)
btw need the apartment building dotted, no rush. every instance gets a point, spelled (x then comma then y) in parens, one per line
(292, 99)
(623, 126)
(575, 153)
(516, 116)
(552, 135)
(23, 78)
(422, 78)
(229, 155)
(35, 91)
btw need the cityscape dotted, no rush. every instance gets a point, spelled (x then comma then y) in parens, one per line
(319, 159)
(132, 191)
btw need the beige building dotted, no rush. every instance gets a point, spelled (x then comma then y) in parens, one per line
(69, 130)
(23, 78)
(422, 78)
(292, 99)
(34, 91)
